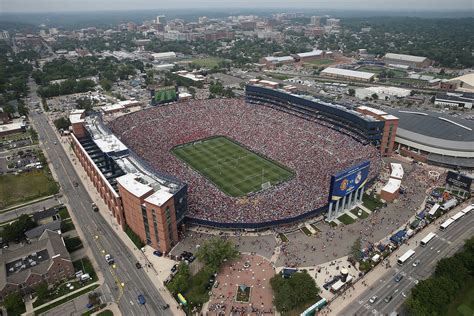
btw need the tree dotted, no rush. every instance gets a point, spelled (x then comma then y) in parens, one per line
(62, 123)
(216, 251)
(351, 92)
(294, 292)
(17, 229)
(180, 282)
(375, 96)
(356, 249)
(106, 84)
(23, 110)
(14, 304)
(42, 291)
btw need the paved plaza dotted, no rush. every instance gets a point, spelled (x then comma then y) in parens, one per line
(251, 273)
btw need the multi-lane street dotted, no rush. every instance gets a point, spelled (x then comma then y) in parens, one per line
(445, 244)
(98, 234)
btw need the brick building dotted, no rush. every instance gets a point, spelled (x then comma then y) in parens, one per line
(390, 128)
(46, 260)
(151, 204)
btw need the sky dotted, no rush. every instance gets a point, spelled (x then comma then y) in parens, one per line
(107, 5)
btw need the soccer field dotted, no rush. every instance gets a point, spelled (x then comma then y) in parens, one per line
(234, 169)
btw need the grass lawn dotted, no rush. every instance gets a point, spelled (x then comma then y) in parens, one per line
(15, 136)
(85, 265)
(234, 169)
(24, 187)
(346, 219)
(66, 299)
(332, 224)
(463, 305)
(278, 76)
(107, 312)
(315, 228)
(64, 213)
(407, 81)
(283, 237)
(320, 62)
(371, 203)
(306, 231)
(57, 292)
(208, 62)
(356, 211)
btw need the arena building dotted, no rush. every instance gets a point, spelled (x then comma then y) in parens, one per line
(435, 138)
(392, 59)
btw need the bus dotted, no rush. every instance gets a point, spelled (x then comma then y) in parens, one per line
(405, 257)
(446, 224)
(468, 209)
(457, 216)
(427, 239)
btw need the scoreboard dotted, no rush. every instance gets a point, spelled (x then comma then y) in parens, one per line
(348, 181)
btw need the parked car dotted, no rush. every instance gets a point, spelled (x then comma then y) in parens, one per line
(157, 253)
(138, 265)
(373, 299)
(141, 299)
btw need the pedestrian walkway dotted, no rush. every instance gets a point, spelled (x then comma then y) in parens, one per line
(337, 222)
(113, 307)
(352, 215)
(64, 296)
(365, 209)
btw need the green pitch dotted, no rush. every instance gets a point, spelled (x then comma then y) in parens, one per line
(234, 169)
(165, 95)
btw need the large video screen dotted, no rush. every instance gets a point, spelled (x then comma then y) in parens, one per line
(459, 180)
(162, 95)
(349, 180)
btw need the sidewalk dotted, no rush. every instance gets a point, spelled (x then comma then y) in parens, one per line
(380, 270)
(31, 311)
(104, 211)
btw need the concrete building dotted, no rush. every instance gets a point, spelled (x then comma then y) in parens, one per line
(163, 56)
(389, 130)
(333, 22)
(46, 260)
(316, 21)
(271, 61)
(406, 60)
(345, 74)
(383, 93)
(455, 100)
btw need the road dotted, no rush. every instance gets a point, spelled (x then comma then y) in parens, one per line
(28, 209)
(445, 244)
(93, 224)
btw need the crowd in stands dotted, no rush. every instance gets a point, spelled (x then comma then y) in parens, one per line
(313, 151)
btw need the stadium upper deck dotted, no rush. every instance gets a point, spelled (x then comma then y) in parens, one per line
(346, 120)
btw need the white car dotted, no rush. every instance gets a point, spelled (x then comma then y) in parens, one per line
(416, 263)
(373, 299)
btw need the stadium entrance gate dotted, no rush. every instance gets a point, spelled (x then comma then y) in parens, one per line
(346, 203)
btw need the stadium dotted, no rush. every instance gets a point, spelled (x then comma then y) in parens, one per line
(252, 163)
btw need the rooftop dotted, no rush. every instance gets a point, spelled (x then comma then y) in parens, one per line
(159, 197)
(403, 57)
(392, 185)
(16, 265)
(130, 183)
(348, 73)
